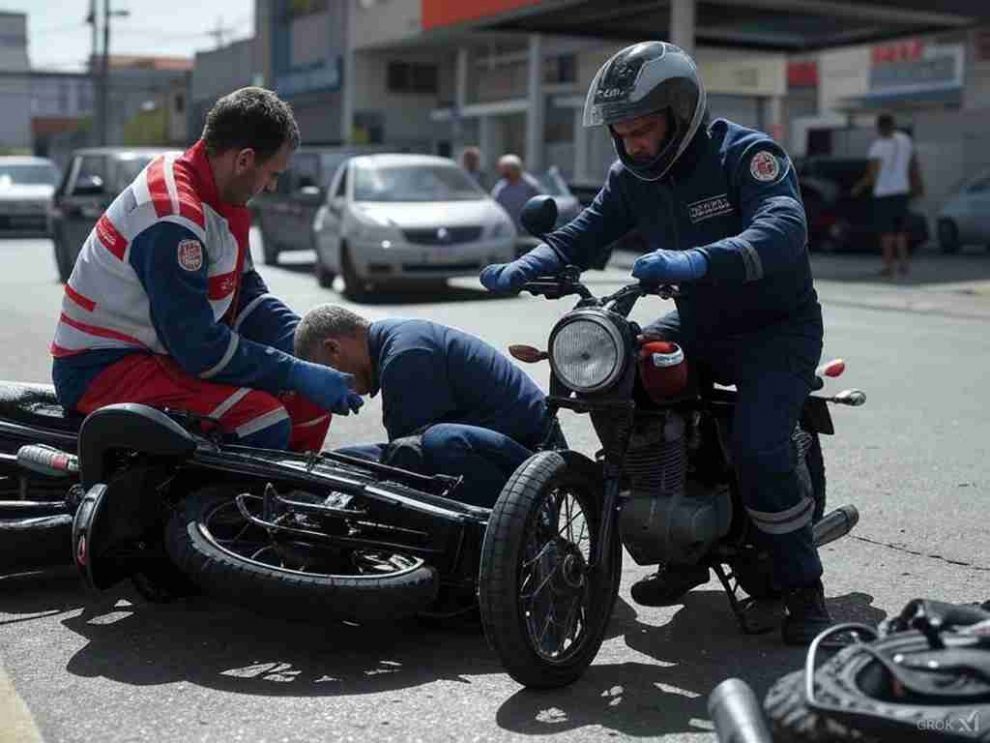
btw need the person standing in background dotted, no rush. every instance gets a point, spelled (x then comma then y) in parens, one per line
(471, 162)
(894, 177)
(515, 187)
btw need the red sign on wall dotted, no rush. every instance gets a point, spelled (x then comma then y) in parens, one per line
(802, 74)
(437, 13)
(898, 51)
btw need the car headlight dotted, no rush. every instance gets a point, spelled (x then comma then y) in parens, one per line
(587, 352)
(368, 232)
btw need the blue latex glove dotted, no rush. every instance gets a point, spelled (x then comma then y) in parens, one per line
(328, 388)
(508, 278)
(670, 266)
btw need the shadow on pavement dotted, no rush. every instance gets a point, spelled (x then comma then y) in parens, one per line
(220, 647)
(691, 654)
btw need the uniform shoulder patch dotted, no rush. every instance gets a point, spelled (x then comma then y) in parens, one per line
(764, 166)
(190, 255)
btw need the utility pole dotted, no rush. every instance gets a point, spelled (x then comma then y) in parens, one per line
(219, 31)
(94, 51)
(105, 70)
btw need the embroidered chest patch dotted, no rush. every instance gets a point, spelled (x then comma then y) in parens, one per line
(191, 255)
(714, 206)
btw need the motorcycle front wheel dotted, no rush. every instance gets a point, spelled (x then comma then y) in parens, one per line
(543, 609)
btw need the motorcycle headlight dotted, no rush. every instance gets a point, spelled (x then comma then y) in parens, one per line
(587, 352)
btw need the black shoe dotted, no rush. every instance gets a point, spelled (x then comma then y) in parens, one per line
(807, 615)
(668, 584)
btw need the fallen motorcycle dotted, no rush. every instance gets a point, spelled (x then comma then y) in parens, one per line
(131, 492)
(662, 486)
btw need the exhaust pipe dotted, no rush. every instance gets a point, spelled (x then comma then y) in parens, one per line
(835, 525)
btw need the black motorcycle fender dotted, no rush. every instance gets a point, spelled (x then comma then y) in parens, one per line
(128, 427)
(816, 417)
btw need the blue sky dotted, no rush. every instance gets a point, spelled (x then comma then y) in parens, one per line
(59, 38)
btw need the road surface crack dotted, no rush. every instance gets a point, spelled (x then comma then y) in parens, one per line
(929, 555)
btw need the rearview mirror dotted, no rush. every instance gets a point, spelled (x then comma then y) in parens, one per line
(539, 215)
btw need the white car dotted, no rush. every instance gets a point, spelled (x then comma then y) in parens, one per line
(401, 218)
(26, 188)
(965, 218)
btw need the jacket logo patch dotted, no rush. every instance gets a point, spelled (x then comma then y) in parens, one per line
(191, 255)
(764, 167)
(716, 206)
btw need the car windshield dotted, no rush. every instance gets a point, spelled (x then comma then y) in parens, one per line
(413, 183)
(553, 184)
(29, 174)
(128, 168)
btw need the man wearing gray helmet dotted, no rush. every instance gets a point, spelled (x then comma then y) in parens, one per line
(720, 208)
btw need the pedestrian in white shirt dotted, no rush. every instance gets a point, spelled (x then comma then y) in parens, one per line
(893, 174)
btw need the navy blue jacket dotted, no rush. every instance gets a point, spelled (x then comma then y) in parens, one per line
(429, 373)
(733, 194)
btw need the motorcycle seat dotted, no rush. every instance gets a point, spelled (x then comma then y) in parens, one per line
(35, 405)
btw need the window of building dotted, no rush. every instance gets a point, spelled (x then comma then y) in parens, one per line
(180, 103)
(412, 77)
(560, 69)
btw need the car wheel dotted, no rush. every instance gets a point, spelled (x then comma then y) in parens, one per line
(948, 236)
(62, 264)
(324, 276)
(270, 253)
(355, 287)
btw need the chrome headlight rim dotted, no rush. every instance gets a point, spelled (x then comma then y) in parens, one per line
(601, 319)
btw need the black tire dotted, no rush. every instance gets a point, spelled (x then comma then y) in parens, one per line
(355, 287)
(226, 575)
(502, 615)
(948, 236)
(30, 544)
(816, 469)
(324, 276)
(792, 721)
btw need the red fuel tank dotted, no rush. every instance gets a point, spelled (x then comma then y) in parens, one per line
(663, 369)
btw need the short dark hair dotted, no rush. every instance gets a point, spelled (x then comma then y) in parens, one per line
(885, 122)
(252, 118)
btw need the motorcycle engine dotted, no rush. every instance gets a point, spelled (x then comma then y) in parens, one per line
(668, 518)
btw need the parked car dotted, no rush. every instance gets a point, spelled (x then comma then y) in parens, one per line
(285, 218)
(406, 218)
(552, 183)
(836, 219)
(26, 188)
(965, 217)
(92, 180)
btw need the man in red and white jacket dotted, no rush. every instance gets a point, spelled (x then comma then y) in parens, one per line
(164, 306)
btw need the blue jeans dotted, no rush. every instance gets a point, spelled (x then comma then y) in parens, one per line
(484, 458)
(772, 370)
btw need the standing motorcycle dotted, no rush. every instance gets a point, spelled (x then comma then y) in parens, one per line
(662, 485)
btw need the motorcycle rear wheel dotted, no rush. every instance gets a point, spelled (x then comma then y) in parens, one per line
(211, 542)
(529, 553)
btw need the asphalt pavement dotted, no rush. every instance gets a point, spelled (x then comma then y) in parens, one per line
(913, 460)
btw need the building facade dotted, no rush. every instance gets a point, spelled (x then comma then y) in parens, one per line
(15, 84)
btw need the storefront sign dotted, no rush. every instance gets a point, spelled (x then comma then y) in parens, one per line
(325, 76)
(915, 67)
(438, 13)
(802, 74)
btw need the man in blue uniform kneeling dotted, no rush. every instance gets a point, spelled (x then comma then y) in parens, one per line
(452, 404)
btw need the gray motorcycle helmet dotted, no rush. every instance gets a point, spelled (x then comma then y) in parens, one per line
(646, 78)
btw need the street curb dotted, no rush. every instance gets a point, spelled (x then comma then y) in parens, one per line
(18, 724)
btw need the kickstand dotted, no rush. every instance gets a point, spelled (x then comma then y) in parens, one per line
(748, 611)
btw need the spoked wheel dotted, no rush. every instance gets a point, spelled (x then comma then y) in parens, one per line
(233, 558)
(543, 606)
